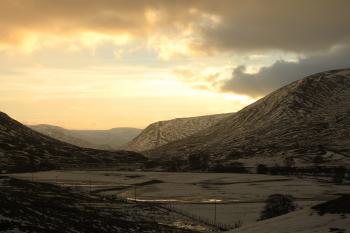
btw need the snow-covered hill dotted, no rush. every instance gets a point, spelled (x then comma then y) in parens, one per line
(163, 132)
(331, 216)
(302, 120)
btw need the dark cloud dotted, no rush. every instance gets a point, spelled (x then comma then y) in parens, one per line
(298, 25)
(282, 73)
(244, 25)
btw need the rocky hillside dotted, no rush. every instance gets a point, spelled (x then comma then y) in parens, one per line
(163, 132)
(304, 120)
(111, 139)
(23, 149)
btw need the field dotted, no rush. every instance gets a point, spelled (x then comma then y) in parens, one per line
(227, 197)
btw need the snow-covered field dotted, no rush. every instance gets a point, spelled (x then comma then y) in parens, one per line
(239, 196)
(302, 221)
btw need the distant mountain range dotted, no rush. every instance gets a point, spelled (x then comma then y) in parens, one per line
(304, 120)
(111, 139)
(23, 149)
(163, 132)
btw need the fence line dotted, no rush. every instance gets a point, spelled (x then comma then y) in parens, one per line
(170, 206)
(206, 221)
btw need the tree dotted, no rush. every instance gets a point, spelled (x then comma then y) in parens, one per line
(199, 162)
(175, 164)
(289, 162)
(318, 160)
(234, 167)
(262, 169)
(276, 205)
(339, 174)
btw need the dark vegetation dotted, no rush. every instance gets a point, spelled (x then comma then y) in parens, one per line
(196, 163)
(233, 167)
(276, 205)
(340, 205)
(338, 173)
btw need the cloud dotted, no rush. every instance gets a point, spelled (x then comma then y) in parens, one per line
(199, 80)
(202, 26)
(296, 26)
(282, 72)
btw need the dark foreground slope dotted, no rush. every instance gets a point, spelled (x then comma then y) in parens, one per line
(45, 208)
(304, 120)
(163, 132)
(22, 149)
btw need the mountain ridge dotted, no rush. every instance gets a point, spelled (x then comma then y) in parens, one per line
(111, 139)
(162, 132)
(296, 120)
(23, 149)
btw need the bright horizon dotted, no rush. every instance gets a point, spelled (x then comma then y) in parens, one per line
(108, 64)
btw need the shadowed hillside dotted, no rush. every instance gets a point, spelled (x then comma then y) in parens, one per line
(22, 149)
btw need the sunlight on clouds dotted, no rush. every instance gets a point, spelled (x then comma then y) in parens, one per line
(183, 41)
(152, 16)
(35, 41)
(168, 48)
(136, 99)
(91, 39)
(123, 65)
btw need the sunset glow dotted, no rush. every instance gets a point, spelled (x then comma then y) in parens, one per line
(103, 64)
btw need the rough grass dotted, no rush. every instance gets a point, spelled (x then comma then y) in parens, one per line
(46, 208)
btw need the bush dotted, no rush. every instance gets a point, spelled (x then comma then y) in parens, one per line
(318, 160)
(339, 174)
(262, 169)
(198, 162)
(276, 205)
(175, 164)
(289, 162)
(234, 167)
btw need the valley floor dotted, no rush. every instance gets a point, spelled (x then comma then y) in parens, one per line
(45, 208)
(220, 198)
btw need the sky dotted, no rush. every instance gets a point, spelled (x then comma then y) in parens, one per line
(100, 64)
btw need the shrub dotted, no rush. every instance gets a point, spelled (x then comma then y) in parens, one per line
(289, 162)
(198, 162)
(175, 164)
(276, 205)
(234, 167)
(262, 169)
(318, 160)
(339, 174)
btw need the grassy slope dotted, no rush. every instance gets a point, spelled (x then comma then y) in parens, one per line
(38, 207)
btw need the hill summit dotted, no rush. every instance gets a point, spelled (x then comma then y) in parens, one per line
(306, 119)
(163, 132)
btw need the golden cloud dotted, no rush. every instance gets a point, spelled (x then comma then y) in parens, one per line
(180, 27)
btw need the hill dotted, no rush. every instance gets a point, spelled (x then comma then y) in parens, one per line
(163, 132)
(111, 139)
(45, 208)
(303, 221)
(23, 149)
(304, 120)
